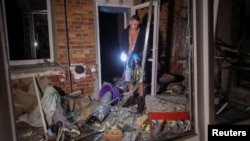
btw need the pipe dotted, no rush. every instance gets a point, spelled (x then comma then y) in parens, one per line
(101, 111)
(67, 44)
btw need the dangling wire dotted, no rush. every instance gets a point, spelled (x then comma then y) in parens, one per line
(67, 44)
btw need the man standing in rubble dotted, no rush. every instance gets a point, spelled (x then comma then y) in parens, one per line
(132, 44)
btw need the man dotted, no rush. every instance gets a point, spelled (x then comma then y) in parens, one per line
(132, 44)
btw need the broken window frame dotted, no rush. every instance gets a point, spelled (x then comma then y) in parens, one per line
(49, 12)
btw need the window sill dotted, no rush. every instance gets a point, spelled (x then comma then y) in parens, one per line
(43, 69)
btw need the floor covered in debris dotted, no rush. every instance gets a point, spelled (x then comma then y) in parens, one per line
(114, 122)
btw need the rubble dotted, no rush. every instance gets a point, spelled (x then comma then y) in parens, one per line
(119, 124)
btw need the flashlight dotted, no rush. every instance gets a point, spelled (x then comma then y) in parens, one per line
(123, 57)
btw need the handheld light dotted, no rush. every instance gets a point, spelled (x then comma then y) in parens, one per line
(123, 56)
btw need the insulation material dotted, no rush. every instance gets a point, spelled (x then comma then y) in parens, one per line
(48, 103)
(23, 102)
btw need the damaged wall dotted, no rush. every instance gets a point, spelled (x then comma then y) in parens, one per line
(232, 79)
(179, 42)
(81, 43)
(173, 35)
(173, 48)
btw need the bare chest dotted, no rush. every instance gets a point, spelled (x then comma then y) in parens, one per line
(132, 40)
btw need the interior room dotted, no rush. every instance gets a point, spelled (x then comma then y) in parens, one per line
(63, 75)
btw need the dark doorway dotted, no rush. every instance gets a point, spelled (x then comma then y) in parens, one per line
(110, 26)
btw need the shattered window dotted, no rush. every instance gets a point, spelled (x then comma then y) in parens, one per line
(29, 31)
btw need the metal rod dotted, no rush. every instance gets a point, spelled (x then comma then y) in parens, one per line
(146, 40)
(132, 126)
(40, 108)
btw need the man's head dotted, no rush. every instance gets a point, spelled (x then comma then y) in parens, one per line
(134, 22)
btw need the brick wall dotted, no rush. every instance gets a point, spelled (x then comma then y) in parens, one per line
(80, 20)
(81, 42)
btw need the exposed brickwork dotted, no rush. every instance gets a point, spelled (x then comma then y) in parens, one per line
(80, 20)
(81, 44)
(176, 40)
(81, 41)
(169, 13)
(21, 84)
